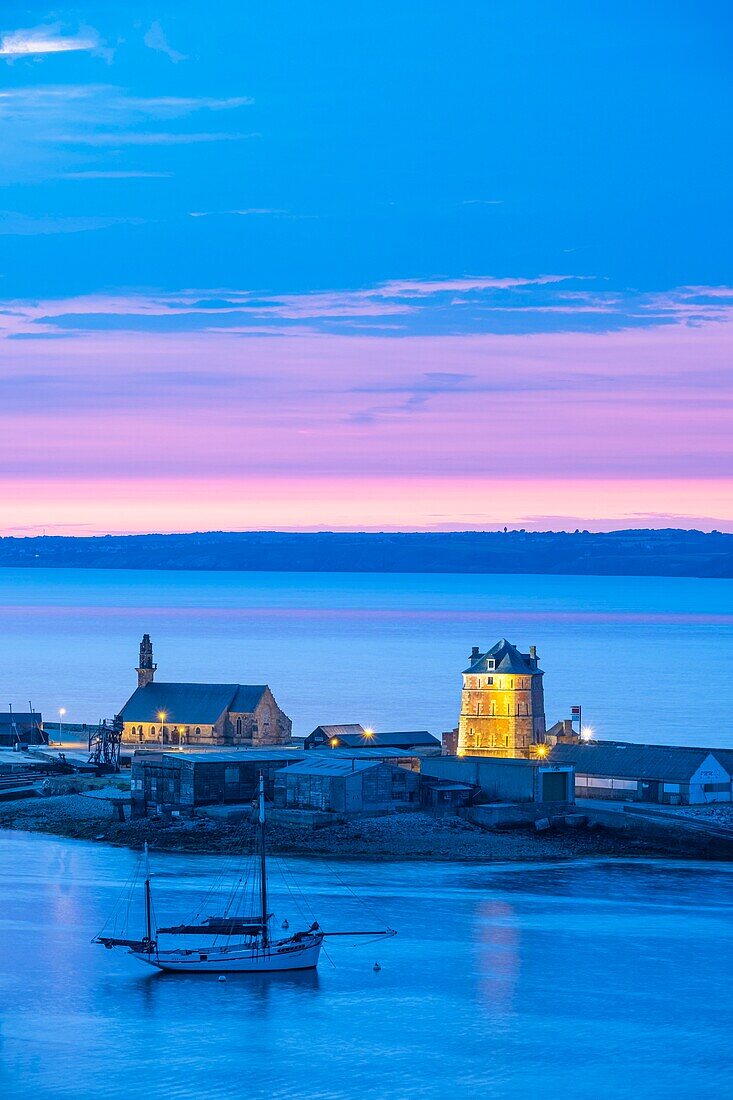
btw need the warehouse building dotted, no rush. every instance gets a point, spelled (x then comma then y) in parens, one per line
(355, 736)
(505, 780)
(21, 728)
(338, 783)
(625, 771)
(167, 782)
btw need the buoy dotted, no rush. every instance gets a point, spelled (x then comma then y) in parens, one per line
(285, 924)
(222, 977)
(377, 966)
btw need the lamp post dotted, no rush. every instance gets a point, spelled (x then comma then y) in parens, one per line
(162, 717)
(62, 712)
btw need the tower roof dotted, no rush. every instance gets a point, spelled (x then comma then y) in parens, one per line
(505, 657)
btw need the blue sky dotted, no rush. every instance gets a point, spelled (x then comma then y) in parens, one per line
(502, 169)
(398, 140)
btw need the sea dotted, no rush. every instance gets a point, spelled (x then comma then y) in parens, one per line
(592, 979)
(646, 658)
(587, 980)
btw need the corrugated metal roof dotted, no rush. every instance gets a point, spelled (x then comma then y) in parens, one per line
(366, 752)
(225, 756)
(506, 658)
(628, 760)
(189, 704)
(317, 763)
(406, 739)
(341, 731)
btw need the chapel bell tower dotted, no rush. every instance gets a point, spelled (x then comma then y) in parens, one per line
(146, 668)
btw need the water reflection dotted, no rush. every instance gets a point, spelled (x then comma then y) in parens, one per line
(497, 956)
(513, 981)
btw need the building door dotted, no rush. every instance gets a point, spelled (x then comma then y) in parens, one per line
(650, 790)
(554, 786)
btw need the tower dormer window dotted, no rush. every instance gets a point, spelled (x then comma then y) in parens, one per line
(490, 664)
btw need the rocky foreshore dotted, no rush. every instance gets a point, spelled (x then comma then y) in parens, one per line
(406, 836)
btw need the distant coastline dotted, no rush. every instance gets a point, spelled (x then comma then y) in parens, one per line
(663, 553)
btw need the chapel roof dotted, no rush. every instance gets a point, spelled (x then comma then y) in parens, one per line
(190, 704)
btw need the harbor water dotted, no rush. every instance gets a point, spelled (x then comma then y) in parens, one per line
(588, 980)
(647, 658)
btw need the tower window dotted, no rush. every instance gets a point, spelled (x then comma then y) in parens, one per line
(239, 727)
(490, 663)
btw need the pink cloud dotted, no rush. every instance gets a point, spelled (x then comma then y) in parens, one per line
(239, 427)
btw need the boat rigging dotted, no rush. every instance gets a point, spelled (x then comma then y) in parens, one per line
(249, 945)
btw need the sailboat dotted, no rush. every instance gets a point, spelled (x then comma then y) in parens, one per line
(239, 944)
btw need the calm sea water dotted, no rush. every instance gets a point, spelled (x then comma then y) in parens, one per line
(586, 980)
(647, 658)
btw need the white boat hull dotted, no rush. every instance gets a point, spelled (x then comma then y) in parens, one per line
(239, 958)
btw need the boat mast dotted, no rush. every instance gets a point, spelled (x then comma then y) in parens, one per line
(263, 861)
(148, 906)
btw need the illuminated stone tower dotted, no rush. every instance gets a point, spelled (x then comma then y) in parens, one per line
(502, 703)
(146, 668)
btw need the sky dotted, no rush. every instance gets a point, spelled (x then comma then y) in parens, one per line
(418, 265)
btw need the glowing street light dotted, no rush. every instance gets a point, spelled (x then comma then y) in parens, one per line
(586, 734)
(62, 712)
(334, 742)
(161, 718)
(369, 733)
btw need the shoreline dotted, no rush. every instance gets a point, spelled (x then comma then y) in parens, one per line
(414, 837)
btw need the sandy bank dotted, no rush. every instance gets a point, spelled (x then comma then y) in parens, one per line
(400, 837)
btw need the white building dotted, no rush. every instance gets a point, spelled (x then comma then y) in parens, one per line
(625, 771)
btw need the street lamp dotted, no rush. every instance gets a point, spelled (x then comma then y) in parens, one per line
(369, 733)
(62, 712)
(161, 717)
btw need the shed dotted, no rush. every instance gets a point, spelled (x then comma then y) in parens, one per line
(628, 771)
(442, 795)
(163, 782)
(344, 784)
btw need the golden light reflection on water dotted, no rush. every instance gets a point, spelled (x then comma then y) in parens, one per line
(496, 945)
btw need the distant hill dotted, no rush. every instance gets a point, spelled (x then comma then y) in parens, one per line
(667, 553)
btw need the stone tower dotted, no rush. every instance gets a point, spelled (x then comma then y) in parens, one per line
(146, 668)
(502, 703)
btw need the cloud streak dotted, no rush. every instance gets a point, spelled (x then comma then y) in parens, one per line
(49, 39)
(494, 425)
